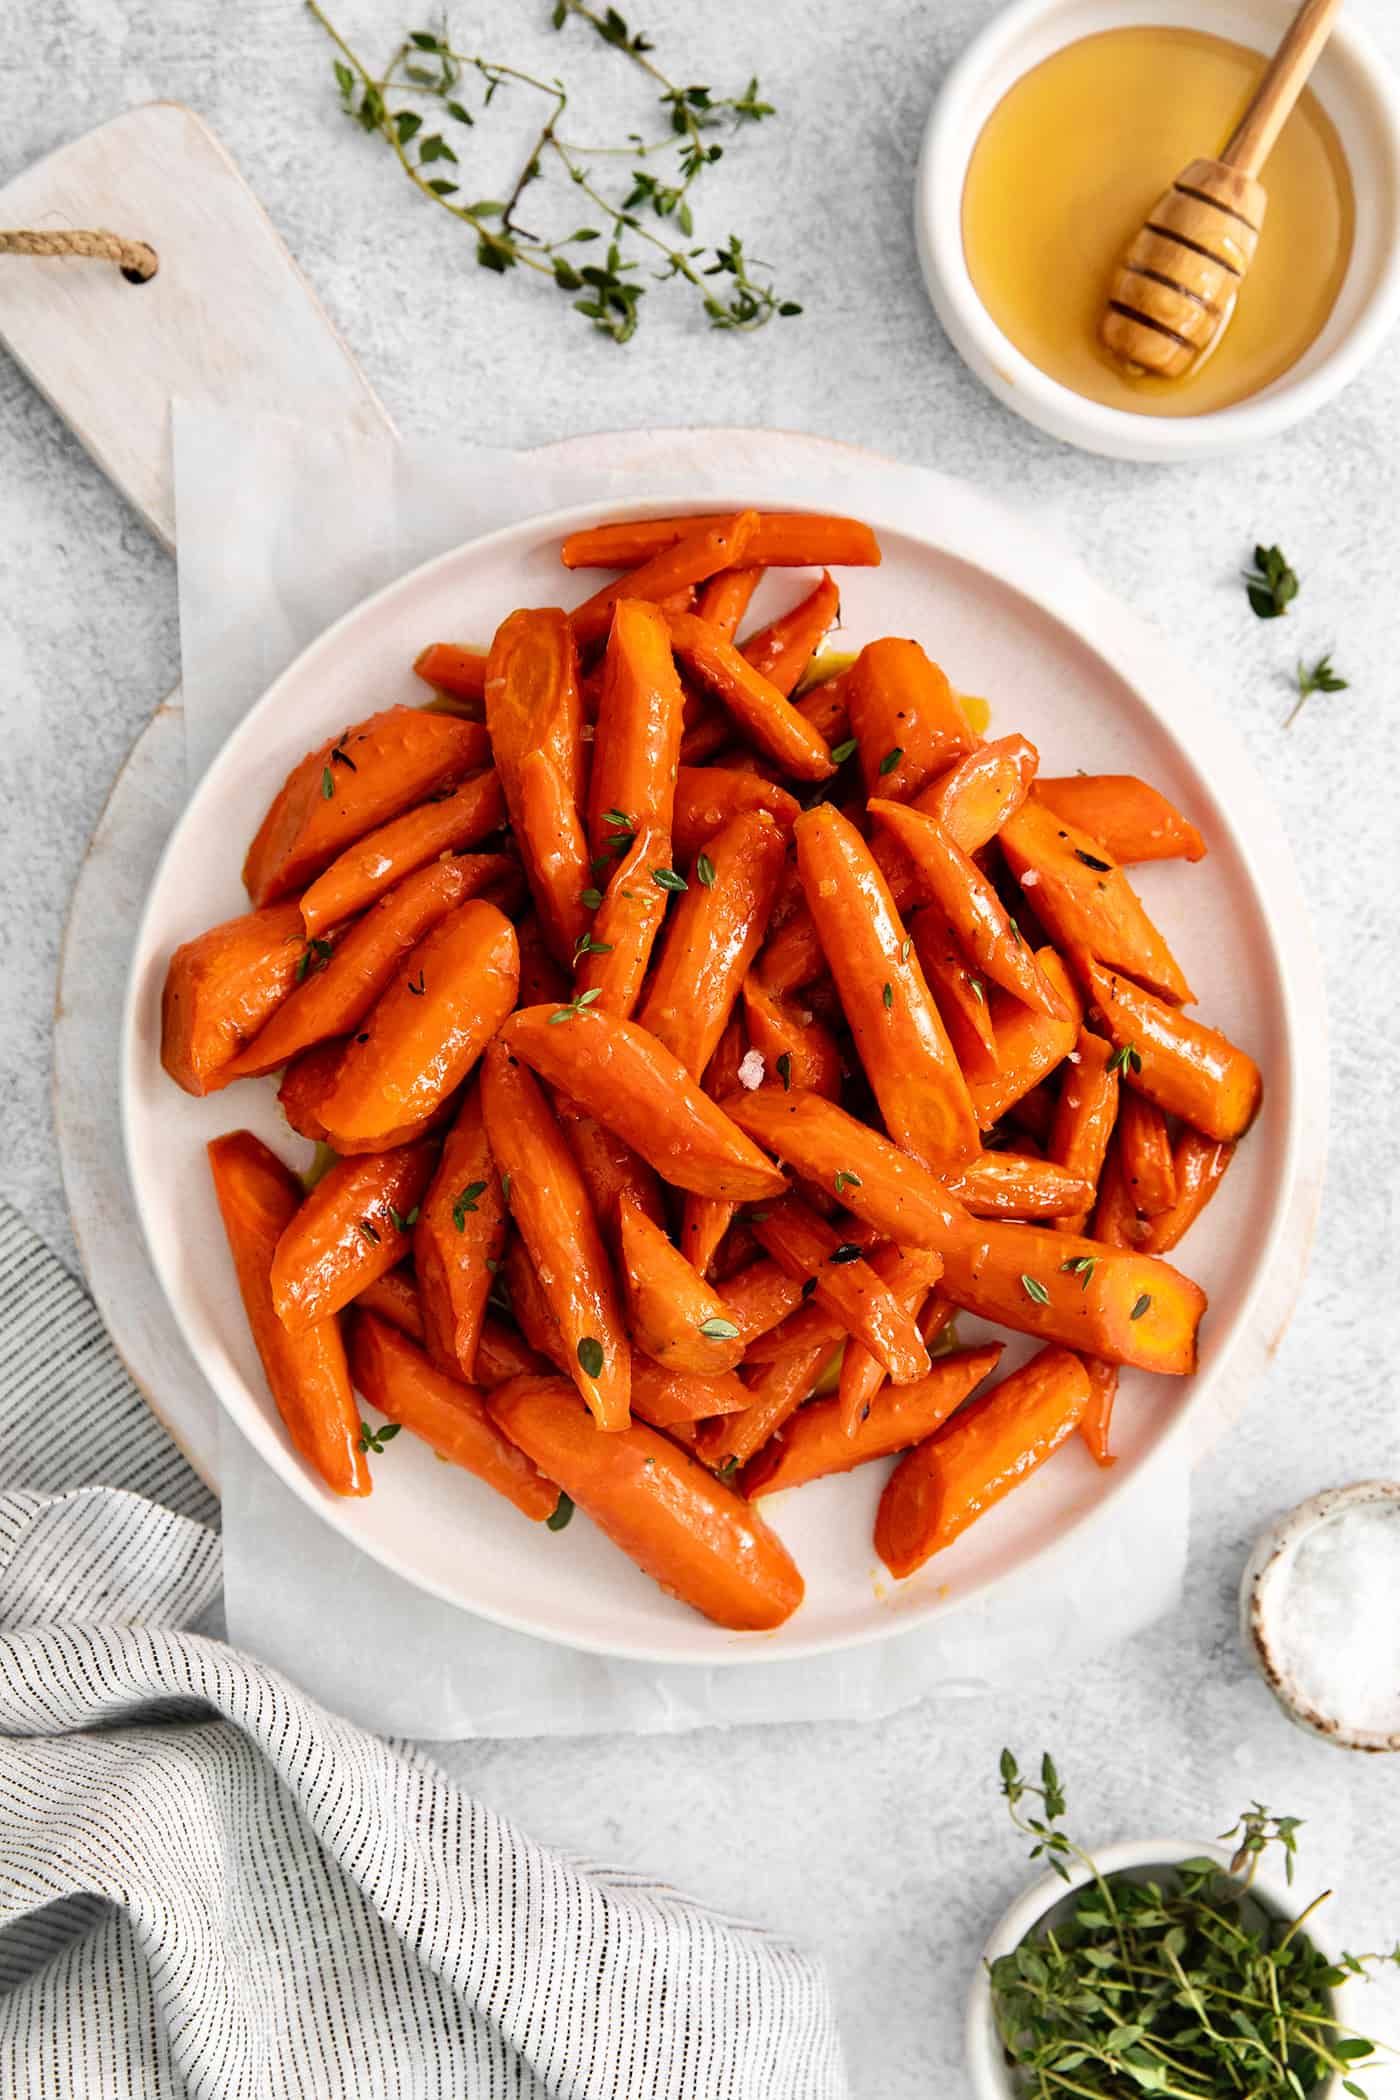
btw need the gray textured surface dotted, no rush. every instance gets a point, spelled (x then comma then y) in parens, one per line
(883, 1845)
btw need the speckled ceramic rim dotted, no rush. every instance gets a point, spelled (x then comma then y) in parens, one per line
(962, 107)
(990, 2079)
(1262, 1587)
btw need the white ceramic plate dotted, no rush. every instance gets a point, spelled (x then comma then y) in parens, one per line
(1009, 617)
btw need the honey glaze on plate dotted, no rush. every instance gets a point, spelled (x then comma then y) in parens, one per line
(1068, 166)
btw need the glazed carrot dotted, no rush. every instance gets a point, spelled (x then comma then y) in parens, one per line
(784, 540)
(1085, 901)
(1199, 1164)
(502, 1354)
(394, 1298)
(453, 668)
(424, 1034)
(610, 1170)
(902, 1042)
(974, 798)
(689, 1532)
(759, 1296)
(1034, 1113)
(886, 1187)
(258, 1198)
(542, 981)
(1116, 1303)
(704, 1222)
(220, 990)
(633, 1085)
(1029, 1045)
(1116, 1222)
(672, 1313)
(1188, 1069)
(845, 1284)
(938, 1314)
(450, 1416)
(783, 650)
(813, 1443)
(709, 797)
(959, 993)
(338, 988)
(715, 544)
(1097, 1418)
(637, 742)
(549, 1202)
(767, 717)
(531, 1309)
(352, 784)
(979, 919)
(707, 730)
(549, 832)
(724, 600)
(533, 698)
(355, 1225)
(824, 705)
(452, 821)
(1147, 1155)
(712, 938)
(776, 1391)
(1014, 1185)
(668, 1398)
(802, 1329)
(796, 1047)
(1085, 1114)
(305, 1084)
(457, 1242)
(904, 718)
(623, 932)
(911, 1273)
(998, 1440)
(1127, 816)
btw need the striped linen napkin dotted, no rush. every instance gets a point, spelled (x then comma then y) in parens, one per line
(211, 1886)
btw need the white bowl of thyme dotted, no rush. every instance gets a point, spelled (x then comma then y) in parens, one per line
(1160, 1967)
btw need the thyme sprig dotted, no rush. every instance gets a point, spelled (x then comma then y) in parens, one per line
(430, 82)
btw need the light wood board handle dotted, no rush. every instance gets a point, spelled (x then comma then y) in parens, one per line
(1254, 137)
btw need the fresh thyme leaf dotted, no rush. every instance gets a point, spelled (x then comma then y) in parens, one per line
(617, 820)
(591, 898)
(846, 1180)
(401, 1223)
(1270, 585)
(728, 1469)
(717, 1330)
(1141, 1306)
(704, 871)
(888, 995)
(904, 947)
(783, 1067)
(368, 1230)
(314, 956)
(1082, 1266)
(559, 1516)
(668, 879)
(586, 945)
(1320, 679)
(809, 1286)
(590, 1356)
(1091, 860)
(1035, 1290)
(891, 760)
(575, 1006)
(841, 752)
(1127, 1058)
(327, 783)
(978, 990)
(375, 1439)
(466, 1201)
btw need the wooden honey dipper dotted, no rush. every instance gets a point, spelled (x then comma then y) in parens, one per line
(1175, 289)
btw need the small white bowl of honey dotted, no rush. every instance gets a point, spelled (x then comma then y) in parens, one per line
(1049, 142)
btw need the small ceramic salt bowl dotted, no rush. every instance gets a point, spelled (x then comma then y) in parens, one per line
(991, 2077)
(1359, 93)
(1332, 1664)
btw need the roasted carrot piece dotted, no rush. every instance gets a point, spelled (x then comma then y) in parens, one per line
(706, 1219)
(1084, 900)
(1029, 1045)
(885, 1186)
(974, 798)
(310, 1381)
(668, 1398)
(611, 1170)
(1116, 1222)
(394, 1298)
(502, 1353)
(1085, 1114)
(220, 990)
(783, 540)
(796, 1047)
(672, 1313)
(355, 1225)
(453, 820)
(457, 1242)
(709, 797)
(959, 993)
(725, 598)
(632, 1084)
(549, 1202)
(902, 1043)
(1124, 814)
(776, 1391)
(845, 1285)
(714, 545)
(759, 1296)
(712, 938)
(453, 668)
(824, 706)
(613, 960)
(1199, 1164)
(1097, 1418)
(1015, 1185)
(766, 716)
(1112, 1302)
(904, 718)
(783, 650)
(533, 698)
(532, 1311)
(542, 981)
(352, 784)
(425, 1033)
(688, 1531)
(813, 1443)
(1148, 1168)
(310, 1077)
(979, 919)
(451, 1417)
(911, 1273)
(1188, 1069)
(338, 989)
(637, 742)
(998, 1440)
(549, 832)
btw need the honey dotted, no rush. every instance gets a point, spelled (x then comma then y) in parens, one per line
(1070, 163)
